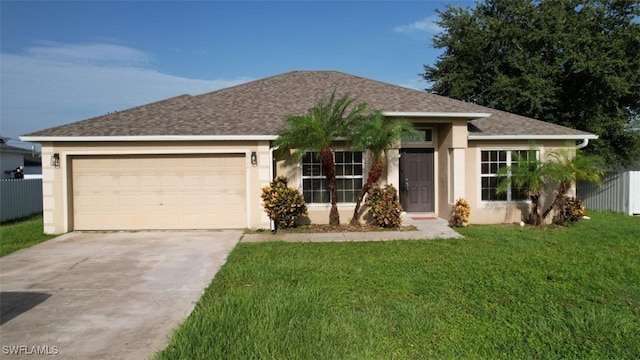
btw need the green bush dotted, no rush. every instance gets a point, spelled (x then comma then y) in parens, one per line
(283, 204)
(384, 206)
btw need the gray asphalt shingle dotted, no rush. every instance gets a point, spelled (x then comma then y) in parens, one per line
(260, 107)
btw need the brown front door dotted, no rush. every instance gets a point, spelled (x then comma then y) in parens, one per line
(416, 180)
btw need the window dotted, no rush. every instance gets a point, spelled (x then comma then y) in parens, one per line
(349, 177)
(425, 135)
(493, 160)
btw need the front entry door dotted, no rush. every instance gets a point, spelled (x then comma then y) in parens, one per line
(416, 180)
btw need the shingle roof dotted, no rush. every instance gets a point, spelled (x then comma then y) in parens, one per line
(260, 107)
(6, 148)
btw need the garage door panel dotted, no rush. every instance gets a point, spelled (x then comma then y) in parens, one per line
(129, 200)
(172, 180)
(159, 192)
(193, 180)
(84, 181)
(129, 163)
(108, 181)
(129, 181)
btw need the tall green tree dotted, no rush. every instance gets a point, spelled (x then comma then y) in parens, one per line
(316, 132)
(570, 62)
(376, 134)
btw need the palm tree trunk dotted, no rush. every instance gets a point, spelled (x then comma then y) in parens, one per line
(534, 217)
(329, 166)
(563, 189)
(375, 172)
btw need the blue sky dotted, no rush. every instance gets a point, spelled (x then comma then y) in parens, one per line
(68, 61)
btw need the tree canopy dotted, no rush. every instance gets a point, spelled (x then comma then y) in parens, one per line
(570, 62)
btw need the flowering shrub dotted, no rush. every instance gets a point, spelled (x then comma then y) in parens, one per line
(283, 204)
(461, 211)
(384, 206)
(569, 211)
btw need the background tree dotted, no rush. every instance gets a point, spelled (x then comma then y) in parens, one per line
(376, 134)
(316, 132)
(570, 62)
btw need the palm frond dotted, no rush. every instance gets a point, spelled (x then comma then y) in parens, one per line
(325, 122)
(376, 133)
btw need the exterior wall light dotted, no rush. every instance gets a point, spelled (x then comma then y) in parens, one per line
(55, 160)
(254, 159)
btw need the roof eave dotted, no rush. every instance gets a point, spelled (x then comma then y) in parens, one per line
(533, 137)
(429, 114)
(40, 139)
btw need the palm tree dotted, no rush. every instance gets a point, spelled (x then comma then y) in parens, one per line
(566, 169)
(530, 174)
(316, 131)
(376, 134)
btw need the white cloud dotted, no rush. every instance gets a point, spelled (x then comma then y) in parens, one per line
(417, 83)
(53, 84)
(92, 53)
(427, 25)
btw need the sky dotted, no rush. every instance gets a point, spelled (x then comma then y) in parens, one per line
(65, 61)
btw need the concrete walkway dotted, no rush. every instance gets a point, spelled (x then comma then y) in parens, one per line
(429, 227)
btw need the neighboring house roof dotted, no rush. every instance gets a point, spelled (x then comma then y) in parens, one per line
(258, 109)
(8, 149)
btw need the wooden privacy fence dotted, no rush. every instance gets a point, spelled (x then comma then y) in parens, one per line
(20, 198)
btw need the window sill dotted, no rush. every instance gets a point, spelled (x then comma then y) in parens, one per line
(489, 204)
(328, 205)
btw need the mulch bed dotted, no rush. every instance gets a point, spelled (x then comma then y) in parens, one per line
(322, 228)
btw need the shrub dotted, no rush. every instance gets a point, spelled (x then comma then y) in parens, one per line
(461, 211)
(384, 206)
(283, 204)
(570, 209)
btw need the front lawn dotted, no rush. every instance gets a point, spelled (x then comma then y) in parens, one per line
(502, 292)
(21, 234)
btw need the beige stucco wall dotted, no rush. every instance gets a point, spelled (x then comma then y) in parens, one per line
(496, 212)
(451, 175)
(448, 135)
(56, 184)
(317, 213)
(456, 172)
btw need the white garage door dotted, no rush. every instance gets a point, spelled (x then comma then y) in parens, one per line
(159, 192)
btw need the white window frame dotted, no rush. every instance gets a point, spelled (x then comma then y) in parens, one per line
(323, 179)
(509, 158)
(412, 143)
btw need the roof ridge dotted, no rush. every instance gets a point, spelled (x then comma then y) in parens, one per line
(241, 85)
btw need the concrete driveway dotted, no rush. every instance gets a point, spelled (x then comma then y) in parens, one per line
(105, 295)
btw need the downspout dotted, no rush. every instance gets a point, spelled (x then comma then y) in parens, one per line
(271, 161)
(580, 145)
(272, 223)
(583, 143)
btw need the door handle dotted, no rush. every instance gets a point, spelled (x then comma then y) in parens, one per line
(406, 184)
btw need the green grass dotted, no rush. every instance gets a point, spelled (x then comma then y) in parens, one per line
(500, 293)
(21, 234)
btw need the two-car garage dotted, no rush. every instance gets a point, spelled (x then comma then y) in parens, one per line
(138, 192)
